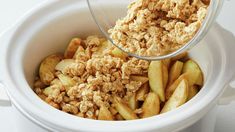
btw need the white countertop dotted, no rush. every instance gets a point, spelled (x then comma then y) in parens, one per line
(11, 10)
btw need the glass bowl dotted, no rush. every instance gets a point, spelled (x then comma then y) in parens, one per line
(107, 12)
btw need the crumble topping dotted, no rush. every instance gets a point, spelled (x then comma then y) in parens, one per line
(98, 79)
(157, 27)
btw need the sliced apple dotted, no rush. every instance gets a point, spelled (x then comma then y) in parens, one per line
(48, 91)
(156, 83)
(167, 62)
(199, 81)
(193, 90)
(47, 68)
(118, 53)
(66, 80)
(123, 109)
(105, 45)
(178, 98)
(151, 105)
(64, 64)
(104, 114)
(192, 66)
(165, 75)
(119, 117)
(142, 92)
(191, 77)
(113, 110)
(141, 79)
(133, 102)
(79, 53)
(72, 48)
(175, 71)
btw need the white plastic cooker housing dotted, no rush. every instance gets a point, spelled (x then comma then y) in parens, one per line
(48, 28)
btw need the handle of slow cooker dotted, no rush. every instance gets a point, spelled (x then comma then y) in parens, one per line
(229, 78)
(228, 95)
(4, 99)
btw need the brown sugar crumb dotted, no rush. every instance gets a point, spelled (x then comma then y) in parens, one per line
(134, 66)
(157, 27)
(70, 108)
(133, 86)
(75, 69)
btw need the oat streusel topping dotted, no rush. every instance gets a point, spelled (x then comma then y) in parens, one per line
(97, 77)
(157, 27)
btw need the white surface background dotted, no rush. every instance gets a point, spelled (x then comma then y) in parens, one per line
(11, 10)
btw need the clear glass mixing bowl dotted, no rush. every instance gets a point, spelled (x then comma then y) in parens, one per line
(107, 12)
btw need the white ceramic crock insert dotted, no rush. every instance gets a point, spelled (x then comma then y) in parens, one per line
(48, 29)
